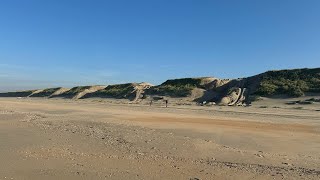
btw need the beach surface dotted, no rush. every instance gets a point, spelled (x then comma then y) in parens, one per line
(86, 139)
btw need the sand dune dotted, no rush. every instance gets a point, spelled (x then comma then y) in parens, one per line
(203, 90)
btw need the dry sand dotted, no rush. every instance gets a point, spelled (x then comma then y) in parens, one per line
(64, 139)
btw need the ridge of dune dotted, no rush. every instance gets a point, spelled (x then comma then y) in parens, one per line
(232, 92)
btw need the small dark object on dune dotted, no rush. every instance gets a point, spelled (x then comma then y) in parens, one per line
(313, 100)
(291, 103)
(263, 107)
(306, 102)
(300, 102)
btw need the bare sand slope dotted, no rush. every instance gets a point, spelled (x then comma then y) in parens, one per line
(61, 139)
(90, 90)
(60, 91)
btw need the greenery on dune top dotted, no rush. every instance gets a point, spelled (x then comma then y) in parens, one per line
(294, 82)
(120, 90)
(115, 91)
(192, 82)
(171, 90)
(176, 87)
(17, 94)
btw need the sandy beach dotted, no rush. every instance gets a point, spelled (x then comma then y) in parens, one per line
(65, 139)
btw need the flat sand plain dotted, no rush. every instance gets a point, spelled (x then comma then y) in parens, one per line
(85, 139)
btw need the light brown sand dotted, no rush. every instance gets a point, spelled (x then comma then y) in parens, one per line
(63, 139)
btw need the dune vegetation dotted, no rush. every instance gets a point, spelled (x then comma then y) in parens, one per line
(114, 91)
(293, 83)
(176, 87)
(17, 94)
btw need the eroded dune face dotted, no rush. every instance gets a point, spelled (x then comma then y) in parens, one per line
(59, 91)
(212, 83)
(235, 97)
(35, 92)
(139, 90)
(91, 89)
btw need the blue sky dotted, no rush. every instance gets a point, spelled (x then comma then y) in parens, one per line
(80, 42)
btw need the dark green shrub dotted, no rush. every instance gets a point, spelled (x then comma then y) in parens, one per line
(267, 89)
(295, 92)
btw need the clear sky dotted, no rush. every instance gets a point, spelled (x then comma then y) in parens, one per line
(48, 43)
